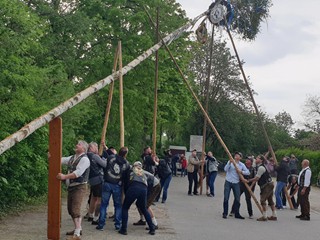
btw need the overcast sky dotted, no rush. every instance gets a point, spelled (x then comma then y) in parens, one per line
(283, 62)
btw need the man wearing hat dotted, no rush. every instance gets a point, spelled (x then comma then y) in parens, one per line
(233, 182)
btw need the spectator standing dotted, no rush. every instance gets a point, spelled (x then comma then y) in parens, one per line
(304, 181)
(212, 170)
(193, 167)
(184, 164)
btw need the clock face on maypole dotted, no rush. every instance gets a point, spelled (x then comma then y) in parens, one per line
(217, 14)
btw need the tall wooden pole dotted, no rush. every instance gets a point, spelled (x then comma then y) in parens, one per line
(155, 104)
(257, 111)
(54, 185)
(121, 96)
(108, 108)
(207, 117)
(206, 108)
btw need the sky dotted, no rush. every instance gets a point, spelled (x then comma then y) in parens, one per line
(282, 61)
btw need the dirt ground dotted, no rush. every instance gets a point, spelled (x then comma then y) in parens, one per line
(32, 225)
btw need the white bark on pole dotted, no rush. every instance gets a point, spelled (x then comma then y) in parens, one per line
(41, 121)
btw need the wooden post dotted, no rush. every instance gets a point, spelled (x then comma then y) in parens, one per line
(121, 96)
(54, 185)
(207, 117)
(256, 110)
(155, 104)
(108, 108)
(206, 108)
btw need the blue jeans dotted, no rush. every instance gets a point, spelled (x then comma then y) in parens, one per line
(115, 190)
(165, 185)
(279, 188)
(212, 178)
(236, 193)
(136, 191)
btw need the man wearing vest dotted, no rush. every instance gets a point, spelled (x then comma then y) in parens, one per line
(117, 167)
(76, 180)
(266, 189)
(304, 182)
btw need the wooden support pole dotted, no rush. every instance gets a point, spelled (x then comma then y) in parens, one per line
(155, 104)
(121, 96)
(206, 108)
(108, 108)
(54, 184)
(208, 118)
(257, 110)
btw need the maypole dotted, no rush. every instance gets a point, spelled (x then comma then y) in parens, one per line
(208, 119)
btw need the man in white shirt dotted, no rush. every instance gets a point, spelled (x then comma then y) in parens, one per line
(76, 180)
(304, 182)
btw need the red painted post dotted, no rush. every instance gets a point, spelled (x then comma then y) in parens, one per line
(54, 185)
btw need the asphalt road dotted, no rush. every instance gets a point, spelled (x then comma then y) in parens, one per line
(181, 217)
(200, 217)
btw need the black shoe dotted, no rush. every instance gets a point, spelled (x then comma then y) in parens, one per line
(152, 232)
(90, 219)
(224, 216)
(163, 201)
(95, 222)
(123, 232)
(140, 223)
(155, 227)
(239, 217)
(72, 233)
(190, 194)
(299, 216)
(305, 218)
(196, 194)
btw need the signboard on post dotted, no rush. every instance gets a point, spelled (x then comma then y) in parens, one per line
(196, 142)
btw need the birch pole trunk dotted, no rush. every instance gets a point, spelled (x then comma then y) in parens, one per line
(108, 108)
(121, 97)
(155, 104)
(209, 121)
(257, 111)
(44, 119)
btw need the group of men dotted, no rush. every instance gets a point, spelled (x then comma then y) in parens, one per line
(242, 177)
(111, 175)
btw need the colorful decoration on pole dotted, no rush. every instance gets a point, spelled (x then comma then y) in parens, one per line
(220, 13)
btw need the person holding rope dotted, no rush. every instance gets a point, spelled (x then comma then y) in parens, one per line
(233, 182)
(266, 189)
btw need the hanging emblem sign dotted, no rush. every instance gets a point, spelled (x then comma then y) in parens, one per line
(217, 13)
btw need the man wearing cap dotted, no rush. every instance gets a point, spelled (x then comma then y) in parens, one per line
(233, 182)
(266, 186)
